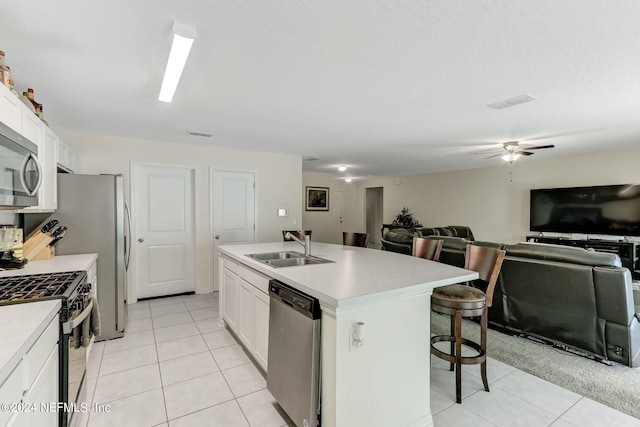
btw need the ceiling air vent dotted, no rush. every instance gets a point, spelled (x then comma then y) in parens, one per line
(309, 159)
(202, 134)
(511, 102)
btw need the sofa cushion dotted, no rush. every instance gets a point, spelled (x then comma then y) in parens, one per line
(453, 250)
(549, 252)
(399, 237)
(399, 240)
(461, 231)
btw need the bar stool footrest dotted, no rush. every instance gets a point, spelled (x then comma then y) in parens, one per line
(451, 358)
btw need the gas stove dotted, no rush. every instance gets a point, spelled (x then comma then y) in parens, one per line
(67, 287)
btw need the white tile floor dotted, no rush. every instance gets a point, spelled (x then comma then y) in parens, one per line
(177, 367)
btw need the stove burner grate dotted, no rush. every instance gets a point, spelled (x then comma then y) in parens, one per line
(36, 286)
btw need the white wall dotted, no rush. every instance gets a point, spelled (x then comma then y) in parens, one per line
(345, 199)
(278, 181)
(485, 199)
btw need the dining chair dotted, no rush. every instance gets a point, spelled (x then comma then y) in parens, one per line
(463, 301)
(424, 247)
(298, 233)
(355, 239)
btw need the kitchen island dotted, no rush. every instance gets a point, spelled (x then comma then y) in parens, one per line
(385, 381)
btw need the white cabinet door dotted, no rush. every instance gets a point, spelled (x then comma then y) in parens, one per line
(63, 155)
(11, 392)
(10, 109)
(32, 127)
(246, 314)
(44, 390)
(230, 295)
(48, 160)
(261, 340)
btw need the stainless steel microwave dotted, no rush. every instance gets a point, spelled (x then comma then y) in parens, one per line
(20, 171)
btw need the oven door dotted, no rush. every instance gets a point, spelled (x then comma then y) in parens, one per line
(73, 360)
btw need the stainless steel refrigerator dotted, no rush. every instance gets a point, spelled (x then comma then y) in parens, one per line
(94, 209)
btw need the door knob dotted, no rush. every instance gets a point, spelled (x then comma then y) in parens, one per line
(217, 237)
(141, 240)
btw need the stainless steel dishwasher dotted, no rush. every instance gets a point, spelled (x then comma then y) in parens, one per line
(293, 373)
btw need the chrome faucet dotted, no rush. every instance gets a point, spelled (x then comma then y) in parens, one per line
(306, 243)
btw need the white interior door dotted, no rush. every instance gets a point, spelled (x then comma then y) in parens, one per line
(233, 209)
(163, 239)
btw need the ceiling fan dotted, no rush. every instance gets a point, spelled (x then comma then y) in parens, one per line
(512, 150)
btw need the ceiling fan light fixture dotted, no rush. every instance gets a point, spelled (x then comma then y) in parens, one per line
(183, 37)
(511, 157)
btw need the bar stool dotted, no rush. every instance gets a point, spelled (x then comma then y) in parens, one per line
(460, 301)
(355, 239)
(424, 247)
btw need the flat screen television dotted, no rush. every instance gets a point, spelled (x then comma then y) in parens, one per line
(605, 209)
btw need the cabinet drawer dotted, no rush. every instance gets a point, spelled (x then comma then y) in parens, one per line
(36, 357)
(11, 391)
(230, 264)
(258, 280)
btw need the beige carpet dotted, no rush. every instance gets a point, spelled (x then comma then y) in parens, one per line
(616, 386)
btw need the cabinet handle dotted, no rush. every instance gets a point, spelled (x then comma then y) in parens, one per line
(141, 240)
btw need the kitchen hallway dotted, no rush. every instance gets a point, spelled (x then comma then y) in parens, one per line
(177, 367)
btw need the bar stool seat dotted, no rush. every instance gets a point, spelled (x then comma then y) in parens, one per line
(460, 301)
(459, 297)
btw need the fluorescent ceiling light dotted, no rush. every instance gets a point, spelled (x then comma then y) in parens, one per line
(183, 37)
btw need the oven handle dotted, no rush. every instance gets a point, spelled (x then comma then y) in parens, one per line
(75, 322)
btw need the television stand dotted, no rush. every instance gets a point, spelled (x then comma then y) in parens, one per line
(629, 252)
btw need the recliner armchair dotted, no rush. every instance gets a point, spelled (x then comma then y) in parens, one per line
(570, 296)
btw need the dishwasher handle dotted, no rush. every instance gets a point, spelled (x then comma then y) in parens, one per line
(297, 300)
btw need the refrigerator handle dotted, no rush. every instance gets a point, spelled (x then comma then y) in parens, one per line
(127, 237)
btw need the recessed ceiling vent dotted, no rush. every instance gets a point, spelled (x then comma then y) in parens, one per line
(511, 102)
(309, 159)
(202, 134)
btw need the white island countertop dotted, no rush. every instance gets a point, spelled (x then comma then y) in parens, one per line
(22, 324)
(357, 275)
(57, 264)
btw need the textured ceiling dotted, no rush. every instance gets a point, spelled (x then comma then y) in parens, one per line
(386, 87)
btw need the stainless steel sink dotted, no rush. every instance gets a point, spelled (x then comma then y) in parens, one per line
(275, 255)
(286, 259)
(292, 262)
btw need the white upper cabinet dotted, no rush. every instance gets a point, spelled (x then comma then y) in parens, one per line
(67, 160)
(17, 116)
(49, 161)
(10, 109)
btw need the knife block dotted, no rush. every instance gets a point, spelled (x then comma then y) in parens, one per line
(36, 244)
(47, 252)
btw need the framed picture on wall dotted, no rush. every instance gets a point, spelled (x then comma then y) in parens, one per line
(317, 199)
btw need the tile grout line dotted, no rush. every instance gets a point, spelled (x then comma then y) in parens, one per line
(223, 377)
(164, 397)
(234, 398)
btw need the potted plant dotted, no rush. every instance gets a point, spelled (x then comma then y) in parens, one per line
(405, 219)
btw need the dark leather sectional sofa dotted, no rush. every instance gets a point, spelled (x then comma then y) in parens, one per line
(572, 297)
